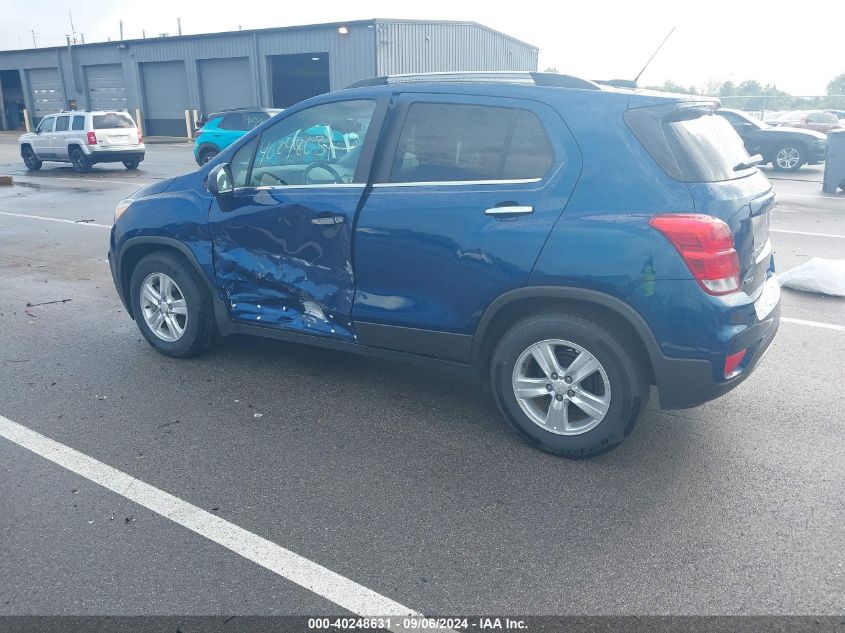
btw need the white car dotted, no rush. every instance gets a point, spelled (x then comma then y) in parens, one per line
(83, 139)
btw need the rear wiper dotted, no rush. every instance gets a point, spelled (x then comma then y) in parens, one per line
(751, 162)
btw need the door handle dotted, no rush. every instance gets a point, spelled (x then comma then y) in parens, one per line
(331, 220)
(509, 210)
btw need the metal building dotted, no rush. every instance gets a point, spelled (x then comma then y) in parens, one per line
(162, 77)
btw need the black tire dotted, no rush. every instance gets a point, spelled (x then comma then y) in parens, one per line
(200, 330)
(81, 163)
(30, 159)
(626, 374)
(786, 153)
(206, 155)
(131, 164)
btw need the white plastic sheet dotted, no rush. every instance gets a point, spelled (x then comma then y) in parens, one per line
(826, 276)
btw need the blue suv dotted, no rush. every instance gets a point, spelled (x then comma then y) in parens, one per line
(221, 129)
(571, 242)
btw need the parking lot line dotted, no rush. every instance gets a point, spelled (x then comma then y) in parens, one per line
(41, 217)
(841, 237)
(307, 574)
(140, 183)
(826, 326)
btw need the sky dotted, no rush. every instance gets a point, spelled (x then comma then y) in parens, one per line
(717, 40)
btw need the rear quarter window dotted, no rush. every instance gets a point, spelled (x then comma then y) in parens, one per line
(112, 121)
(691, 144)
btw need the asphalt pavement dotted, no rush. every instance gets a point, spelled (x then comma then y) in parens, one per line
(398, 478)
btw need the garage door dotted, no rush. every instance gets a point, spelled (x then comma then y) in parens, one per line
(225, 83)
(165, 87)
(47, 94)
(106, 87)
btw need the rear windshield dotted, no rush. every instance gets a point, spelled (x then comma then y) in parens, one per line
(112, 121)
(691, 144)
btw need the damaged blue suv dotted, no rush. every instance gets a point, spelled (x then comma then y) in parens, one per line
(571, 242)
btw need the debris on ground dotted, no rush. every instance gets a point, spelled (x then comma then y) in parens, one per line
(825, 276)
(83, 221)
(99, 397)
(46, 303)
(258, 416)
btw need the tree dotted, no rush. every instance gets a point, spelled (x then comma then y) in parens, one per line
(837, 85)
(551, 69)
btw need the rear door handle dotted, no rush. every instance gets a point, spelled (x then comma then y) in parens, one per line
(331, 220)
(509, 210)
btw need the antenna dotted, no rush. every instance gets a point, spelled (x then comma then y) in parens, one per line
(72, 29)
(179, 25)
(34, 44)
(654, 54)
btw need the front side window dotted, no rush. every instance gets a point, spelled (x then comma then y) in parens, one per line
(254, 119)
(62, 123)
(240, 163)
(319, 145)
(46, 125)
(445, 142)
(78, 122)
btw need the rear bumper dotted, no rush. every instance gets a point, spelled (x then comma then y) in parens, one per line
(116, 156)
(685, 383)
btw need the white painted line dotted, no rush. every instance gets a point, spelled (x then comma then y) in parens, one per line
(46, 179)
(287, 564)
(41, 217)
(841, 237)
(826, 326)
(781, 196)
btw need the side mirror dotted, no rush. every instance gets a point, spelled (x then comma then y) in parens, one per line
(220, 181)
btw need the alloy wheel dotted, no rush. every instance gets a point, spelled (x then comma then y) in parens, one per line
(788, 157)
(163, 307)
(561, 387)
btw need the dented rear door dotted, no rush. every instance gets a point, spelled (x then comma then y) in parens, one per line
(282, 241)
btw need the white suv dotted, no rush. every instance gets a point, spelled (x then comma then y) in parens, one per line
(84, 139)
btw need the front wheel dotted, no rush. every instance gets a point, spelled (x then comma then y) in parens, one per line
(568, 384)
(171, 305)
(30, 159)
(789, 157)
(81, 163)
(131, 164)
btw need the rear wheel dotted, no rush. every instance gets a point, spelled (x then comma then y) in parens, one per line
(206, 155)
(131, 164)
(30, 159)
(171, 305)
(568, 384)
(81, 163)
(789, 157)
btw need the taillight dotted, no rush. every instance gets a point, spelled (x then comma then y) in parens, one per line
(706, 245)
(140, 138)
(92, 138)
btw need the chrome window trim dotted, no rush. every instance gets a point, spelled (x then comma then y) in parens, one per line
(328, 185)
(445, 183)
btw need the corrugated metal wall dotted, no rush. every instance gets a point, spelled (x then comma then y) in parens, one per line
(415, 47)
(369, 48)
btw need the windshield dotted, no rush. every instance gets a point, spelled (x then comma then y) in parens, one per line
(749, 118)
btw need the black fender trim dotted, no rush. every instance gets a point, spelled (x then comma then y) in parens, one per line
(147, 240)
(567, 292)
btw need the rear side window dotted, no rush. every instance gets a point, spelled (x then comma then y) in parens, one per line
(691, 144)
(254, 119)
(112, 121)
(232, 122)
(78, 123)
(62, 123)
(443, 142)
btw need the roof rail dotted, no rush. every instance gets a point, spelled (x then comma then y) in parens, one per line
(485, 76)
